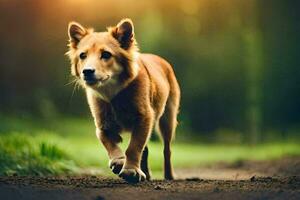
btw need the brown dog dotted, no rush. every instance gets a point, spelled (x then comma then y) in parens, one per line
(128, 91)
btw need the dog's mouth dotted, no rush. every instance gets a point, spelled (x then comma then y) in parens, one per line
(93, 80)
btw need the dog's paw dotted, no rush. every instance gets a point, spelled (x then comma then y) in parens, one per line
(116, 164)
(132, 175)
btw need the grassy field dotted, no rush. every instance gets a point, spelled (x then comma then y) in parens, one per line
(37, 147)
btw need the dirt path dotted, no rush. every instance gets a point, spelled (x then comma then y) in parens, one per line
(282, 182)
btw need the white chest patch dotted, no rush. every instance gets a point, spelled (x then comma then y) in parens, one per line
(109, 90)
(105, 92)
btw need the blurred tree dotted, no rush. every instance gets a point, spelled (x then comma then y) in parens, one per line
(236, 61)
(253, 63)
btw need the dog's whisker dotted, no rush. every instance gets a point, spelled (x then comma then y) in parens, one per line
(71, 82)
(75, 87)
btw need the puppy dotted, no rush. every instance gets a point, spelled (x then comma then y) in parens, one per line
(126, 91)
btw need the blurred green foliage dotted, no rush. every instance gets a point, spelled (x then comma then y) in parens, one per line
(35, 150)
(236, 61)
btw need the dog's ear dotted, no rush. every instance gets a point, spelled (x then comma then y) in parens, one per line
(124, 33)
(76, 32)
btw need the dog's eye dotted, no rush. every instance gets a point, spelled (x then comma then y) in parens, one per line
(105, 55)
(82, 56)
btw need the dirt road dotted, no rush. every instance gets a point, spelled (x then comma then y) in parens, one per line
(245, 180)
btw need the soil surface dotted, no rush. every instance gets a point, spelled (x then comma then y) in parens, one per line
(243, 180)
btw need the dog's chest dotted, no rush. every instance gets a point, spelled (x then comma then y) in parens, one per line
(110, 91)
(125, 110)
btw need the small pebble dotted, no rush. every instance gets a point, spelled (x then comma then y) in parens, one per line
(216, 189)
(193, 179)
(99, 198)
(157, 187)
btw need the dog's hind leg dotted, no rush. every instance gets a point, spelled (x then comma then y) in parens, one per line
(167, 125)
(144, 163)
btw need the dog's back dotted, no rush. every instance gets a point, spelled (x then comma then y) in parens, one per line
(164, 86)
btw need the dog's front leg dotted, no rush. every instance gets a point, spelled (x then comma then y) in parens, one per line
(107, 131)
(131, 171)
(115, 154)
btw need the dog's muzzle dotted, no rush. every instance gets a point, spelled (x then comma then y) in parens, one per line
(90, 78)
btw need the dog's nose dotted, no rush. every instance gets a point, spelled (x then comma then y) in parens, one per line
(88, 72)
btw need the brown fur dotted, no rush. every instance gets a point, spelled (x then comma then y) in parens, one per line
(139, 91)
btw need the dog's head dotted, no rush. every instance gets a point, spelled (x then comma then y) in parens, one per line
(98, 58)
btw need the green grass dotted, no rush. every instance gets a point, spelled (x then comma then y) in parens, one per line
(24, 155)
(29, 147)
